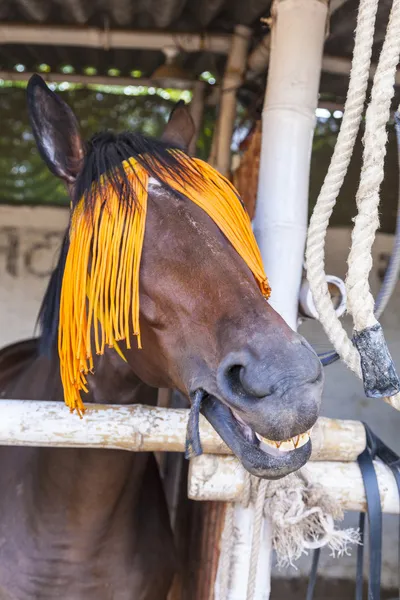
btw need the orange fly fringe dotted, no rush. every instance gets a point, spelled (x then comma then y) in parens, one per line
(100, 287)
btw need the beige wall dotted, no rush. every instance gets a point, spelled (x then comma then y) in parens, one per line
(29, 238)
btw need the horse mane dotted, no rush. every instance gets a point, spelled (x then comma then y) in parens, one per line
(103, 167)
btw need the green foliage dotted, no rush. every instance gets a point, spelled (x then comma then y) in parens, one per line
(25, 179)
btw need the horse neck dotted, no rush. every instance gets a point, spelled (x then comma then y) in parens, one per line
(91, 488)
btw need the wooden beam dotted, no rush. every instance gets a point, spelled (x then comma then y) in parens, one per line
(92, 37)
(335, 65)
(223, 479)
(139, 428)
(92, 79)
(233, 78)
(342, 66)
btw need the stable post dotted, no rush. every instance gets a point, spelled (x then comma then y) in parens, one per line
(280, 224)
(227, 111)
(288, 122)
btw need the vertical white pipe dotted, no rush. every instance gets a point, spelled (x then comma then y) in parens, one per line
(240, 560)
(288, 122)
(280, 225)
(232, 79)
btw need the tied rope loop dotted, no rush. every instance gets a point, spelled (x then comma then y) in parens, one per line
(333, 182)
(302, 516)
(393, 269)
(378, 370)
(368, 358)
(360, 301)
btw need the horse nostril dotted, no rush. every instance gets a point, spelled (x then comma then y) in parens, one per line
(234, 380)
(241, 377)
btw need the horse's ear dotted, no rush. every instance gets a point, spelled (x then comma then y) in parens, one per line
(180, 128)
(55, 129)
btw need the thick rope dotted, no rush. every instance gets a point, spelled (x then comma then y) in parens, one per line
(368, 196)
(302, 516)
(333, 182)
(256, 540)
(360, 301)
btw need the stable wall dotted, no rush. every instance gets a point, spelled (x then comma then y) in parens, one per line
(29, 242)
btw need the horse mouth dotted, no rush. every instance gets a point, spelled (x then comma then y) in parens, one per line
(269, 459)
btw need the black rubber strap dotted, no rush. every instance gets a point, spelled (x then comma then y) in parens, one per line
(374, 513)
(375, 449)
(313, 575)
(392, 460)
(360, 559)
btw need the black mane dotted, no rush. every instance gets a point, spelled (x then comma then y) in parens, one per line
(104, 157)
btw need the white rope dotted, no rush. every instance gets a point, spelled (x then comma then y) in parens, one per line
(302, 516)
(360, 260)
(360, 301)
(333, 182)
(256, 540)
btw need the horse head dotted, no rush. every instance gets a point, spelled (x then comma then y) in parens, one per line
(205, 326)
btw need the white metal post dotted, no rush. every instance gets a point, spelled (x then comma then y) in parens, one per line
(288, 122)
(280, 225)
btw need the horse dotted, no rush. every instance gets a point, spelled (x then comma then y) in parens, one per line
(93, 524)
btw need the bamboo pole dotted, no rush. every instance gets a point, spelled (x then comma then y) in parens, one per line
(94, 37)
(54, 77)
(232, 80)
(140, 428)
(224, 479)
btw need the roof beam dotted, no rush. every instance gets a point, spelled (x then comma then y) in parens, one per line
(342, 66)
(92, 79)
(92, 37)
(330, 64)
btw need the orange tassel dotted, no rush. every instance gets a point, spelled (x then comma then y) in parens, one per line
(100, 288)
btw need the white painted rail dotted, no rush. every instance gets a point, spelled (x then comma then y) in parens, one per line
(146, 428)
(223, 478)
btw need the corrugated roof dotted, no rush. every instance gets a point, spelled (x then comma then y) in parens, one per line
(200, 16)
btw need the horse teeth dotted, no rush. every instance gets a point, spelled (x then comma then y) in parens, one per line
(286, 445)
